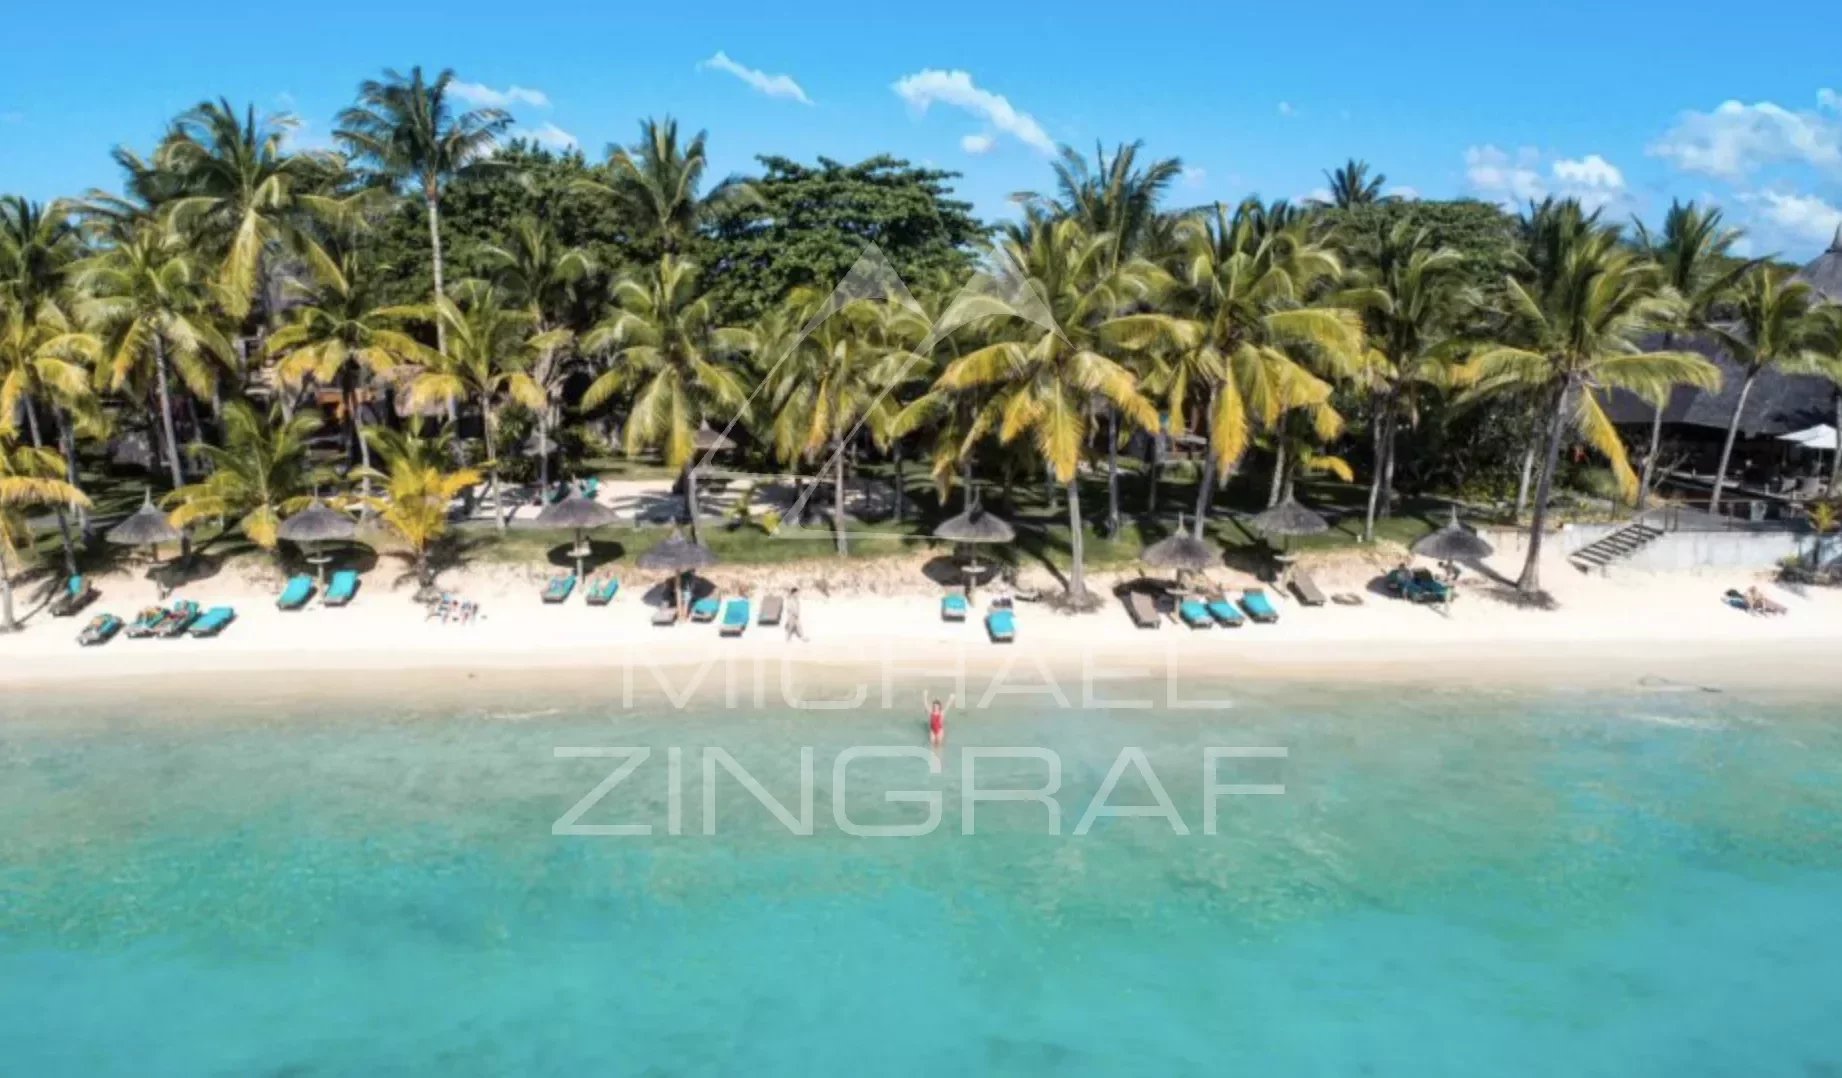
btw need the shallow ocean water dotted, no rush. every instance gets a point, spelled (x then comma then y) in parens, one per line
(1454, 882)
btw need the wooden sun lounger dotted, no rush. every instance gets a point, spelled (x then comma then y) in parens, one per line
(771, 609)
(1306, 589)
(1143, 610)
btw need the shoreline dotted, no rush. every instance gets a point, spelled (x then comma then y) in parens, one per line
(1606, 633)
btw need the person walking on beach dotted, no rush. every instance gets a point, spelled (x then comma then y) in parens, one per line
(793, 626)
(936, 718)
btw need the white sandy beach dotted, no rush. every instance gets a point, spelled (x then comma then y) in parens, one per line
(886, 613)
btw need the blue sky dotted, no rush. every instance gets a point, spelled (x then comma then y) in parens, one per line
(1622, 104)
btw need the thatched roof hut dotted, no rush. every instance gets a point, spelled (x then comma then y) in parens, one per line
(1824, 274)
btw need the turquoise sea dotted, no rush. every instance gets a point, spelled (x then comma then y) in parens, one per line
(1453, 882)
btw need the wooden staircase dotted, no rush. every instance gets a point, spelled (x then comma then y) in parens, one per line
(1616, 547)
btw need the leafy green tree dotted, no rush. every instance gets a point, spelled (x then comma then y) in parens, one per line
(1574, 328)
(405, 130)
(542, 275)
(806, 226)
(259, 474)
(1042, 377)
(1693, 251)
(1776, 325)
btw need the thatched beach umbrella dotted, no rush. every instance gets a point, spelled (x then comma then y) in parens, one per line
(314, 525)
(1286, 520)
(975, 527)
(1454, 542)
(707, 440)
(1181, 552)
(678, 556)
(580, 515)
(1824, 274)
(147, 527)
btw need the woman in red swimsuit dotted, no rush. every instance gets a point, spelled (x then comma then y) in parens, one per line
(937, 719)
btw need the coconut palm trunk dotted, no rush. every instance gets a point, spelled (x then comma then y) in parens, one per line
(1077, 551)
(1380, 436)
(1205, 493)
(837, 497)
(67, 445)
(690, 498)
(1726, 450)
(38, 442)
(166, 414)
(1530, 581)
(1279, 473)
(433, 201)
(1522, 483)
(543, 448)
(1151, 471)
(1648, 478)
(7, 623)
(491, 423)
(901, 482)
(1112, 468)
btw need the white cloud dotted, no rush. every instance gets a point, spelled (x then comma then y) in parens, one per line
(482, 96)
(1515, 179)
(771, 85)
(1736, 139)
(957, 89)
(1316, 194)
(1404, 193)
(977, 144)
(1194, 176)
(1286, 109)
(549, 136)
(1589, 171)
(1791, 222)
(1829, 99)
(1497, 175)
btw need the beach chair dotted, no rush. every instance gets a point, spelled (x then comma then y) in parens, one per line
(1195, 614)
(953, 606)
(1306, 588)
(735, 617)
(559, 588)
(665, 615)
(771, 609)
(344, 585)
(602, 592)
(212, 621)
(1258, 606)
(1143, 610)
(76, 595)
(1001, 625)
(296, 594)
(591, 487)
(1225, 613)
(179, 618)
(100, 630)
(704, 609)
(147, 623)
(1424, 587)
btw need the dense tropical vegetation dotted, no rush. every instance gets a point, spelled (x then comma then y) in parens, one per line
(431, 308)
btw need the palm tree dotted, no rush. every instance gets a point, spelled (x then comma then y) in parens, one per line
(1693, 252)
(259, 474)
(150, 308)
(44, 357)
(1413, 297)
(335, 336)
(1044, 377)
(655, 185)
(405, 130)
(836, 379)
(1119, 199)
(1574, 330)
(539, 273)
(488, 362)
(1777, 325)
(1352, 186)
(30, 477)
(418, 488)
(243, 195)
(667, 354)
(1247, 331)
